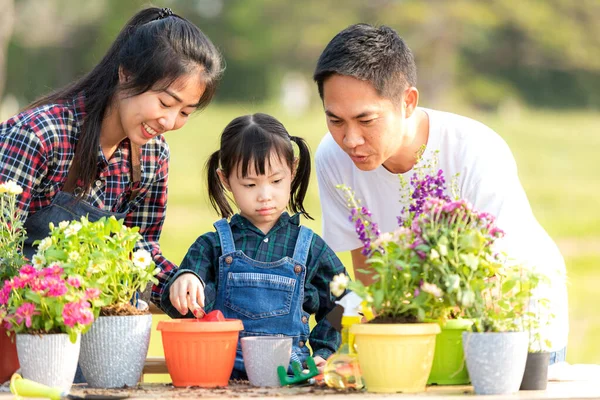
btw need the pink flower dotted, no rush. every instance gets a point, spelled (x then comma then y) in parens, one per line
(77, 312)
(28, 272)
(74, 282)
(5, 293)
(24, 313)
(91, 293)
(53, 270)
(56, 288)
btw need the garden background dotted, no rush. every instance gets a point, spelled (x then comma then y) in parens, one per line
(528, 69)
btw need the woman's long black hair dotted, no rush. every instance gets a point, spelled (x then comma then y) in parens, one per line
(154, 48)
(247, 142)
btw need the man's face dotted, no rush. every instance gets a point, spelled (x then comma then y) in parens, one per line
(368, 127)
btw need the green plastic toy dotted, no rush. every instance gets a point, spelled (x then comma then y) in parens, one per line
(299, 375)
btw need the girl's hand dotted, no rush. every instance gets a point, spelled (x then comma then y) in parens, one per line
(187, 293)
(320, 363)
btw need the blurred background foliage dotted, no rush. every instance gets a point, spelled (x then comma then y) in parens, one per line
(529, 69)
(541, 53)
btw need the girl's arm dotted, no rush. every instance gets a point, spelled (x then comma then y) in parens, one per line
(324, 339)
(200, 260)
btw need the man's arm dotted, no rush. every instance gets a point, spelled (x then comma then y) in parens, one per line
(359, 261)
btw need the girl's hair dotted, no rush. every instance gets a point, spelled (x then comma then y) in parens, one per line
(154, 48)
(249, 141)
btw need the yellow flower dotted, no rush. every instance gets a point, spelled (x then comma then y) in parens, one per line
(11, 188)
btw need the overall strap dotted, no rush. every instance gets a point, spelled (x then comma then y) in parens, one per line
(134, 161)
(225, 235)
(303, 245)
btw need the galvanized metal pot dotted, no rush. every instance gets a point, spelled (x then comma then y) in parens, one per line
(496, 361)
(113, 351)
(49, 359)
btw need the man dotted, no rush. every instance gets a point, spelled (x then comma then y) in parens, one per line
(366, 78)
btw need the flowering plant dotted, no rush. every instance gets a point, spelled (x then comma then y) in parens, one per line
(101, 252)
(438, 262)
(12, 233)
(46, 300)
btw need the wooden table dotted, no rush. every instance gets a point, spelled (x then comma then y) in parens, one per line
(556, 390)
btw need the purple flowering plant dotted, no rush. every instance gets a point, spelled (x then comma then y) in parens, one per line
(439, 263)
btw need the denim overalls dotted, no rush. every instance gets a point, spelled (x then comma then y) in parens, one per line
(266, 296)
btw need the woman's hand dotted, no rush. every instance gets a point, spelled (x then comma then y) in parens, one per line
(187, 293)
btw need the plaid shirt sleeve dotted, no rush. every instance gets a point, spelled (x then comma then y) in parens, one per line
(149, 215)
(23, 158)
(201, 260)
(324, 339)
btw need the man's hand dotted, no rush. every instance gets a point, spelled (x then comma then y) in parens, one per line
(187, 293)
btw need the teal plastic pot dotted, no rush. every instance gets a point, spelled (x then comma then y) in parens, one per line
(448, 361)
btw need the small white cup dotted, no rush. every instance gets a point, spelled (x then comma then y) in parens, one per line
(262, 355)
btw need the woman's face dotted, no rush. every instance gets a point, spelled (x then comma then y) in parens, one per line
(155, 112)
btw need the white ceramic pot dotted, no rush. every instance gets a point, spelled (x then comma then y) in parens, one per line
(114, 350)
(496, 361)
(49, 359)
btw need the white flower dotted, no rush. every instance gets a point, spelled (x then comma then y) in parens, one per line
(63, 224)
(432, 289)
(142, 259)
(95, 267)
(382, 240)
(443, 249)
(339, 284)
(434, 254)
(74, 256)
(72, 229)
(11, 188)
(38, 260)
(45, 244)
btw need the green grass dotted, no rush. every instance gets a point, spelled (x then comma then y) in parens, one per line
(556, 154)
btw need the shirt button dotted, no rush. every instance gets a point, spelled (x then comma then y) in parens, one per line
(98, 183)
(301, 344)
(304, 320)
(297, 269)
(229, 259)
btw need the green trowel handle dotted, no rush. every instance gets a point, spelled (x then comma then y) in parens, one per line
(26, 388)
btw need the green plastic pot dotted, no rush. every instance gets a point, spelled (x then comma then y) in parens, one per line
(448, 361)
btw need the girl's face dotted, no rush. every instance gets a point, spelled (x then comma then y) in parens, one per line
(261, 198)
(153, 112)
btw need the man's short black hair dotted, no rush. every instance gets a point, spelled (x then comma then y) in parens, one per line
(374, 54)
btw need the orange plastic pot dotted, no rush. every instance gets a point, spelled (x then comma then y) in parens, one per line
(9, 362)
(200, 353)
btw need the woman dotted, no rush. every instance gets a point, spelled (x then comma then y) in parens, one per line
(96, 147)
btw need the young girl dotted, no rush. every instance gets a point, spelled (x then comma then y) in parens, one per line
(262, 266)
(96, 147)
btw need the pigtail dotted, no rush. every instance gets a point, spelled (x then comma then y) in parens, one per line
(302, 177)
(216, 190)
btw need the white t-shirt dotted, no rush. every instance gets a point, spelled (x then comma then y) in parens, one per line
(487, 178)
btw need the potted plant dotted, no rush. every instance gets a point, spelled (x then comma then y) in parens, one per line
(496, 349)
(47, 309)
(402, 301)
(535, 376)
(456, 242)
(114, 350)
(12, 237)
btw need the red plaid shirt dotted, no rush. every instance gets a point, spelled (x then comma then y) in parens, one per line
(36, 149)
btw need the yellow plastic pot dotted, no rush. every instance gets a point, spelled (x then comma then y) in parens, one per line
(395, 357)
